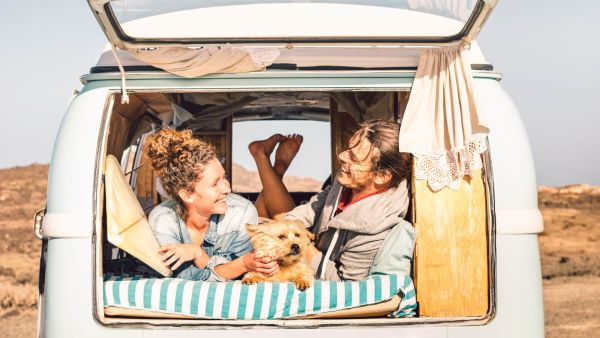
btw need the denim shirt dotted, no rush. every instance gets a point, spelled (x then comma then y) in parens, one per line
(225, 240)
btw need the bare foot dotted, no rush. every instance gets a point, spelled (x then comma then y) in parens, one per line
(265, 147)
(287, 150)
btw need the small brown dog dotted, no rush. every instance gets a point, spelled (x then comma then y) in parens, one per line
(286, 242)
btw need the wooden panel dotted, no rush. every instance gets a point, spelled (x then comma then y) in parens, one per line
(122, 120)
(451, 264)
(343, 126)
(402, 103)
(132, 110)
(145, 177)
(221, 140)
(118, 130)
(158, 102)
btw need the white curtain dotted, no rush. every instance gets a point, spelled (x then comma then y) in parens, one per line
(189, 62)
(441, 125)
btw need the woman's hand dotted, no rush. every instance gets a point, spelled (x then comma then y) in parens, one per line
(173, 255)
(263, 265)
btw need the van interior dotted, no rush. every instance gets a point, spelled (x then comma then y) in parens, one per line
(453, 260)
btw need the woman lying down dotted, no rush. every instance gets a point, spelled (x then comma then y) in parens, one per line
(204, 234)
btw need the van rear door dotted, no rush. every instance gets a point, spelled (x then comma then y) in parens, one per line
(155, 23)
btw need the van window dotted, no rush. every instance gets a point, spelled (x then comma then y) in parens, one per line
(450, 240)
(256, 18)
(309, 169)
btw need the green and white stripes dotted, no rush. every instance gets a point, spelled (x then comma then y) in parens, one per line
(234, 300)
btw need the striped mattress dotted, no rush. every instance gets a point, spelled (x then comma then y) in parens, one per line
(265, 300)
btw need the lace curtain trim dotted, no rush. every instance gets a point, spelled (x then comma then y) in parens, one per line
(263, 57)
(447, 169)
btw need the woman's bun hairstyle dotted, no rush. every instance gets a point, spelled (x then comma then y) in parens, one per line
(178, 159)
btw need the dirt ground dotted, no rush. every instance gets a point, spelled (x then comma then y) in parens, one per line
(570, 252)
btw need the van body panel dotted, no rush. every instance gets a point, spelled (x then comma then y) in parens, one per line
(520, 303)
(519, 314)
(364, 332)
(68, 299)
(70, 308)
(72, 169)
(512, 161)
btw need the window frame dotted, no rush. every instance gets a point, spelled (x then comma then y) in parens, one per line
(208, 324)
(110, 25)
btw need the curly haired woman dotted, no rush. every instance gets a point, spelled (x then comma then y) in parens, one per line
(202, 229)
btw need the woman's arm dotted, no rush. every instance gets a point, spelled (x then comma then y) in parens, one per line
(244, 260)
(166, 229)
(174, 255)
(248, 262)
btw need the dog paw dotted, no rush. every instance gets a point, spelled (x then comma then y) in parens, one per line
(302, 284)
(250, 280)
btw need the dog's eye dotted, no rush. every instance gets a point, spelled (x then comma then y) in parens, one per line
(297, 235)
(282, 237)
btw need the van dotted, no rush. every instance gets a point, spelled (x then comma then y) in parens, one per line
(476, 268)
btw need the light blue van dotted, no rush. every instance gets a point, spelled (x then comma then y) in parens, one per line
(325, 49)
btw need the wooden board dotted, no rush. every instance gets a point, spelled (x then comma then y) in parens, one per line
(402, 103)
(343, 126)
(123, 118)
(145, 189)
(117, 135)
(451, 253)
(221, 140)
(132, 110)
(157, 102)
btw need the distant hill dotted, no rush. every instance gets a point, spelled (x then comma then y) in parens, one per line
(248, 181)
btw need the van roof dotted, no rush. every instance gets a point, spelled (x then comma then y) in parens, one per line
(328, 58)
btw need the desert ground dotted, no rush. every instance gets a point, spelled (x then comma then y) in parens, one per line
(570, 252)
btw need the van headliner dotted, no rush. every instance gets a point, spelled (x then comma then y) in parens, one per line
(300, 57)
(301, 62)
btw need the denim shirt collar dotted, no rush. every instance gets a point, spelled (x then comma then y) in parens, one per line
(211, 234)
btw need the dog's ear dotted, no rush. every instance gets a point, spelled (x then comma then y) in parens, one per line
(304, 229)
(309, 234)
(253, 229)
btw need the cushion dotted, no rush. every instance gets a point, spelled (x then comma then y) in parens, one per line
(175, 297)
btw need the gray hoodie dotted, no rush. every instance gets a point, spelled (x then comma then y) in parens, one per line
(349, 241)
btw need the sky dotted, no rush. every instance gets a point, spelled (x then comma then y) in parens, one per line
(548, 52)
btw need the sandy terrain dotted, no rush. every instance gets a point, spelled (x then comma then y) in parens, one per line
(22, 192)
(570, 247)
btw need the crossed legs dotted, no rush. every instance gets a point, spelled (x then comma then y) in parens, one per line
(274, 200)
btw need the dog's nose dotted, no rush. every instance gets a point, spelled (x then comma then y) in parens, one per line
(295, 249)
